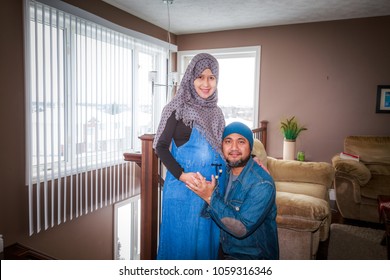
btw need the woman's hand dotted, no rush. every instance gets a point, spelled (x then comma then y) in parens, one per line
(257, 160)
(187, 177)
(204, 189)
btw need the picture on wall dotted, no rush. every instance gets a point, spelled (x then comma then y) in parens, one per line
(383, 99)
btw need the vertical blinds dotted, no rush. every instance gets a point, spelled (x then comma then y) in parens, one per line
(80, 110)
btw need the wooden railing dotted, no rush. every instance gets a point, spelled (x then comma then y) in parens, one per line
(261, 133)
(151, 182)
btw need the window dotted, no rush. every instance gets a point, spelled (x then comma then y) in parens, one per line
(88, 99)
(127, 229)
(238, 84)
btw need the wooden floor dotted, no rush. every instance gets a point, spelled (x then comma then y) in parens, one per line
(322, 253)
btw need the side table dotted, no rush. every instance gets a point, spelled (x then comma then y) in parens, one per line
(384, 217)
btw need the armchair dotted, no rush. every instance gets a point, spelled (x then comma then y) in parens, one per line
(302, 201)
(358, 183)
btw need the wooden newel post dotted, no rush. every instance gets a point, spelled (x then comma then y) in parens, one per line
(264, 135)
(149, 198)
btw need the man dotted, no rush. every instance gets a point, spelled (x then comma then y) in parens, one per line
(247, 212)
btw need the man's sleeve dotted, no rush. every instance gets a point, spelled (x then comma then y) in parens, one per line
(242, 218)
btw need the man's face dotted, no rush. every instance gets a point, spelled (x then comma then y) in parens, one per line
(236, 150)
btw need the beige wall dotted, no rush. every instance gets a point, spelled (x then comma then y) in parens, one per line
(325, 73)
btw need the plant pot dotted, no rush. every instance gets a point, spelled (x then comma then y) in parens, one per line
(289, 149)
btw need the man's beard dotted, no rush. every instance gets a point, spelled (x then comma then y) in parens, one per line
(238, 163)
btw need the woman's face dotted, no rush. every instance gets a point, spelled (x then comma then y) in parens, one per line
(206, 84)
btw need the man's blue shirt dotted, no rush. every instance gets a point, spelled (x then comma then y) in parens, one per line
(248, 215)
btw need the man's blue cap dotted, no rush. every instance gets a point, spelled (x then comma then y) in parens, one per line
(239, 128)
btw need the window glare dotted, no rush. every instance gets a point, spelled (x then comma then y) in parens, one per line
(236, 89)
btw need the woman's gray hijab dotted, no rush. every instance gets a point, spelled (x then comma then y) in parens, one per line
(203, 114)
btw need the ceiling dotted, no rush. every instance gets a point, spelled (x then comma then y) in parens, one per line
(188, 16)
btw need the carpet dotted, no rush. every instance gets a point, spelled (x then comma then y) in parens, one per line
(355, 243)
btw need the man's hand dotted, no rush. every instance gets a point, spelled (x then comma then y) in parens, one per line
(204, 189)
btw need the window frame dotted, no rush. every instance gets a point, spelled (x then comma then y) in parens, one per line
(134, 216)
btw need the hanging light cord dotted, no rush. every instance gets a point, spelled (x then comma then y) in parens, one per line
(169, 2)
(169, 24)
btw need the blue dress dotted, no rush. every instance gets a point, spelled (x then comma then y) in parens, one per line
(186, 231)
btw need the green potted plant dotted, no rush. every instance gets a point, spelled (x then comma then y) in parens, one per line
(291, 130)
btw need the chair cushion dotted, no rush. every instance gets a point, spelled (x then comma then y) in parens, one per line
(259, 151)
(379, 168)
(300, 211)
(370, 148)
(310, 189)
(378, 185)
(297, 171)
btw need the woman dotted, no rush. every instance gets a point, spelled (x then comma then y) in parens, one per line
(188, 140)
